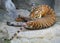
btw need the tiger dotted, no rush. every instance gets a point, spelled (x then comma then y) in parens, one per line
(41, 17)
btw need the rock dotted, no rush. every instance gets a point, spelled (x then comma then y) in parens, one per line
(48, 35)
(4, 17)
(3, 32)
(23, 12)
(8, 11)
(27, 4)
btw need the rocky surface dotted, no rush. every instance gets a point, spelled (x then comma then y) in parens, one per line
(27, 4)
(48, 35)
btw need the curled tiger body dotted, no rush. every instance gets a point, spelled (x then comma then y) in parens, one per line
(42, 16)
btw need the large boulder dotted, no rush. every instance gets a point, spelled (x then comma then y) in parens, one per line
(27, 4)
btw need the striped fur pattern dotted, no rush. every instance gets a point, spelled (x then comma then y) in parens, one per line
(42, 17)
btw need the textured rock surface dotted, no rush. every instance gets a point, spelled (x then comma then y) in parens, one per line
(49, 35)
(23, 12)
(4, 17)
(3, 33)
(27, 4)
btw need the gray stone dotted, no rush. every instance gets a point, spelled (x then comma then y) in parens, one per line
(27, 4)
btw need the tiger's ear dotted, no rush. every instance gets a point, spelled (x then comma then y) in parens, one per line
(33, 8)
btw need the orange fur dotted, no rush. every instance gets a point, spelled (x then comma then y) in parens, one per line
(41, 17)
(47, 18)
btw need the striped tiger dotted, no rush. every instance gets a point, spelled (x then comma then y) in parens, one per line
(42, 16)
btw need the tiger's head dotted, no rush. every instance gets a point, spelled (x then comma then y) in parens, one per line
(39, 11)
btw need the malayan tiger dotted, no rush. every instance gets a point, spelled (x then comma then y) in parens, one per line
(41, 16)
